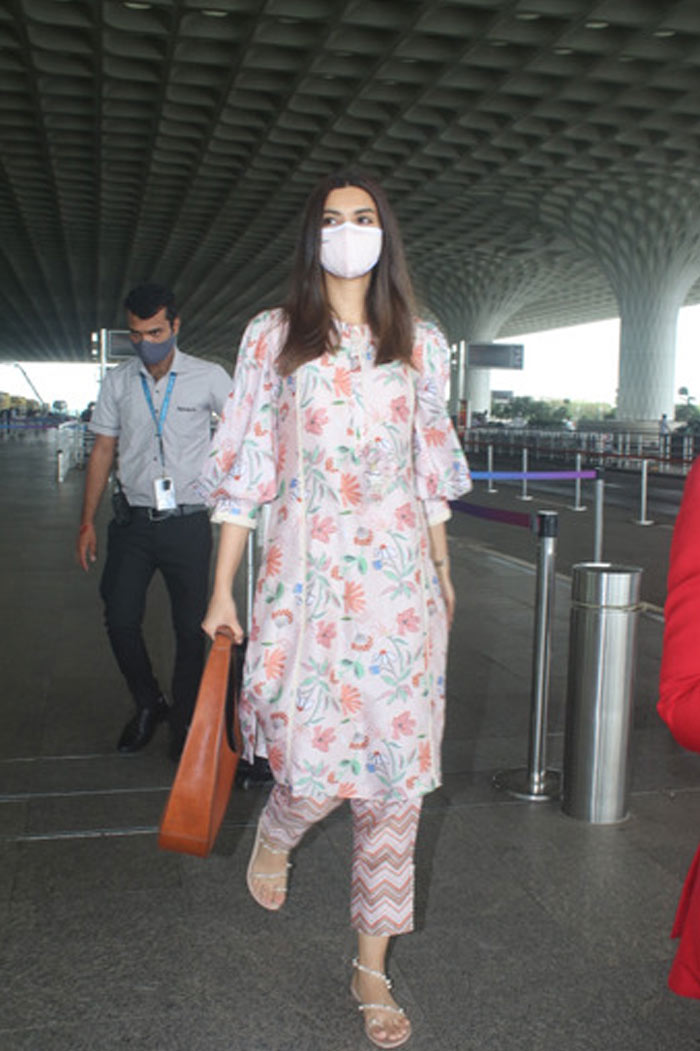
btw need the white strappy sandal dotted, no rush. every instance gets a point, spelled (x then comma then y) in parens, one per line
(252, 875)
(374, 1022)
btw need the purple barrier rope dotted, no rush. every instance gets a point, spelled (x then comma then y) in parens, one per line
(504, 476)
(516, 518)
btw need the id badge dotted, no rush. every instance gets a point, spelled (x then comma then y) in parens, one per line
(164, 489)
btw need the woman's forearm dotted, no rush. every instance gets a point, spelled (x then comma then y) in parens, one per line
(232, 543)
(438, 544)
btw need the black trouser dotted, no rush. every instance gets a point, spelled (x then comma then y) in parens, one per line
(180, 547)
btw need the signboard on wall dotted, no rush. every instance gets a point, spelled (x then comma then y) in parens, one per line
(495, 355)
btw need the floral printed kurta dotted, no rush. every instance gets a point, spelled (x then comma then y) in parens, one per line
(344, 682)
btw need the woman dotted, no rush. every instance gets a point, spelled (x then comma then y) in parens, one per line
(337, 419)
(679, 705)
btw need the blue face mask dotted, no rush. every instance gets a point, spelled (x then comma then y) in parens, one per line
(153, 353)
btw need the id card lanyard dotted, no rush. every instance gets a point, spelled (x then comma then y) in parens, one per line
(159, 420)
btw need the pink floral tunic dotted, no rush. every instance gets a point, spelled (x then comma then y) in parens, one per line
(344, 683)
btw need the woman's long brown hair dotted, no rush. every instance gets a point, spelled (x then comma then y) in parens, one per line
(389, 301)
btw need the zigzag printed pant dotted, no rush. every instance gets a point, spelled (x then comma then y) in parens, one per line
(384, 840)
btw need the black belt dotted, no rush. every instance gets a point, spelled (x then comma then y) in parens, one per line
(173, 512)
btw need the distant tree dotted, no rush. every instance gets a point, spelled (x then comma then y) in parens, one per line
(686, 413)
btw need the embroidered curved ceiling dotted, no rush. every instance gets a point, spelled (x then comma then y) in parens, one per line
(177, 140)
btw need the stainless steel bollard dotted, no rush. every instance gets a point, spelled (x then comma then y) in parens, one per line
(605, 603)
(536, 783)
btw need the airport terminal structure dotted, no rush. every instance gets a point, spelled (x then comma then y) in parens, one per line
(543, 157)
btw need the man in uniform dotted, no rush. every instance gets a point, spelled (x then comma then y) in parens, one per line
(156, 409)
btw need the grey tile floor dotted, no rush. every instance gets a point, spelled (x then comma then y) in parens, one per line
(534, 932)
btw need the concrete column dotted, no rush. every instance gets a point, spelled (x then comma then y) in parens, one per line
(482, 295)
(645, 236)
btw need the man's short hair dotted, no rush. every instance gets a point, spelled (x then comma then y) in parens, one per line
(146, 300)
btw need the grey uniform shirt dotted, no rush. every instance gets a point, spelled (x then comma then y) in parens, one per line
(122, 412)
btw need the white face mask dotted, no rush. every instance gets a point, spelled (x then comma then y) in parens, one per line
(350, 250)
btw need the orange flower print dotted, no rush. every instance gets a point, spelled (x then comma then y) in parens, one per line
(350, 491)
(259, 429)
(363, 536)
(399, 409)
(407, 621)
(260, 350)
(346, 790)
(226, 457)
(274, 663)
(403, 725)
(275, 757)
(410, 782)
(342, 383)
(424, 756)
(274, 561)
(435, 435)
(323, 739)
(354, 597)
(322, 528)
(315, 420)
(325, 634)
(279, 717)
(350, 699)
(405, 518)
(362, 643)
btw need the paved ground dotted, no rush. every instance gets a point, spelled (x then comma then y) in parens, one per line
(535, 932)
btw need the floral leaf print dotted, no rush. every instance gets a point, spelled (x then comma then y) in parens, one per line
(408, 621)
(403, 725)
(323, 739)
(325, 633)
(323, 528)
(405, 517)
(400, 411)
(315, 420)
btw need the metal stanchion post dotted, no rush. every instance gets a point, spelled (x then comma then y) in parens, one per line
(537, 783)
(605, 603)
(523, 494)
(59, 465)
(577, 505)
(643, 520)
(599, 509)
(489, 467)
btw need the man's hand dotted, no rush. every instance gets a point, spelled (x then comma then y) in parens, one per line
(86, 545)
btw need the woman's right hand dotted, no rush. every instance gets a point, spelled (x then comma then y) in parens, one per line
(222, 613)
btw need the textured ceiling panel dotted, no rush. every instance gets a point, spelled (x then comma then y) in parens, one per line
(522, 142)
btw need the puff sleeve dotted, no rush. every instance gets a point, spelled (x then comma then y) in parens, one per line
(240, 473)
(440, 466)
(679, 693)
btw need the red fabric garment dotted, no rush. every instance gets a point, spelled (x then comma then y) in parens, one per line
(679, 706)
(679, 703)
(684, 977)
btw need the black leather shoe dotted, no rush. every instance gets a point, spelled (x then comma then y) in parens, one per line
(140, 728)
